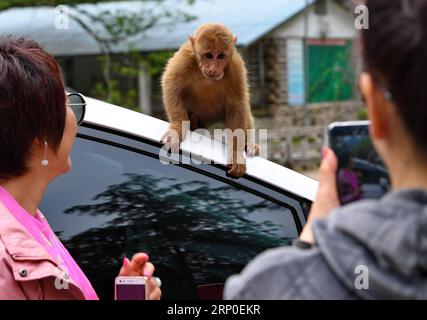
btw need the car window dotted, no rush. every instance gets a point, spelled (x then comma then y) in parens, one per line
(197, 230)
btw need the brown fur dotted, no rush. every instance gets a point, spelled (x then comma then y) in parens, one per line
(188, 94)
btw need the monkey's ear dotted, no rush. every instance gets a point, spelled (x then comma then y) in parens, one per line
(234, 39)
(192, 39)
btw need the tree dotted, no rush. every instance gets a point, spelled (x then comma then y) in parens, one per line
(7, 4)
(188, 224)
(109, 28)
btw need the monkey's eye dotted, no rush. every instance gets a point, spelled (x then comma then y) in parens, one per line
(209, 56)
(221, 56)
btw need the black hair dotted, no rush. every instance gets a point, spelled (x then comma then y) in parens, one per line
(395, 53)
(32, 103)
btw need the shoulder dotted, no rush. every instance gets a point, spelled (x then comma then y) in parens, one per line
(9, 288)
(182, 59)
(284, 273)
(178, 68)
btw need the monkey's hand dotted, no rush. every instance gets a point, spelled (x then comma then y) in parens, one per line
(252, 150)
(236, 170)
(172, 137)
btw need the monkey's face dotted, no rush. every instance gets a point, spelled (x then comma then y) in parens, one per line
(213, 46)
(212, 64)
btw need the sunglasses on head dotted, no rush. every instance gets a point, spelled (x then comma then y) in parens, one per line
(78, 104)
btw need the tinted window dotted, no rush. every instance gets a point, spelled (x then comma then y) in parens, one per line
(197, 230)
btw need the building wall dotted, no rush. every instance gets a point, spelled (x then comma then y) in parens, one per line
(337, 23)
(283, 60)
(276, 63)
(264, 59)
(254, 58)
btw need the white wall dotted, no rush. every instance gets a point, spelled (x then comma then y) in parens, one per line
(337, 24)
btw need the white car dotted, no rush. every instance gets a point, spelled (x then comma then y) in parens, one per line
(197, 225)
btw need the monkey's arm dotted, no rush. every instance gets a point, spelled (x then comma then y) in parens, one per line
(175, 109)
(173, 85)
(235, 120)
(239, 119)
(177, 117)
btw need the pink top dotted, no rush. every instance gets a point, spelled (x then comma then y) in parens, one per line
(39, 229)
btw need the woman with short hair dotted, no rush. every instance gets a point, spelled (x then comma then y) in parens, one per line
(37, 131)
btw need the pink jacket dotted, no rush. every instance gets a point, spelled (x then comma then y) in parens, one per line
(26, 269)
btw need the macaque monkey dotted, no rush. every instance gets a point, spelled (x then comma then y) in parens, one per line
(205, 82)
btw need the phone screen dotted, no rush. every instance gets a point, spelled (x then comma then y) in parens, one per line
(361, 172)
(130, 292)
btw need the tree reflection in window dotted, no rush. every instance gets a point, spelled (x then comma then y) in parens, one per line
(195, 232)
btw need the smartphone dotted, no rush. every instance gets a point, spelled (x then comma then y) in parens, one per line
(130, 288)
(361, 172)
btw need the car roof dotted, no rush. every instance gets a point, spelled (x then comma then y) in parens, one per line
(127, 121)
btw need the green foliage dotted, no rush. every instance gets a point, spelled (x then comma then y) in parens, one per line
(6, 4)
(296, 140)
(262, 112)
(115, 95)
(127, 68)
(119, 25)
(155, 61)
(362, 114)
(311, 139)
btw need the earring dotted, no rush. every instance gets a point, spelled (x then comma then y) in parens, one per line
(45, 162)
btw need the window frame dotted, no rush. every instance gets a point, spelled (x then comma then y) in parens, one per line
(298, 206)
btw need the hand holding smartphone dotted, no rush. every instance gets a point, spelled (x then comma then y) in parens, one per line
(130, 288)
(361, 172)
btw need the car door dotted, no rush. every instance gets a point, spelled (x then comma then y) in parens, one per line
(198, 226)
